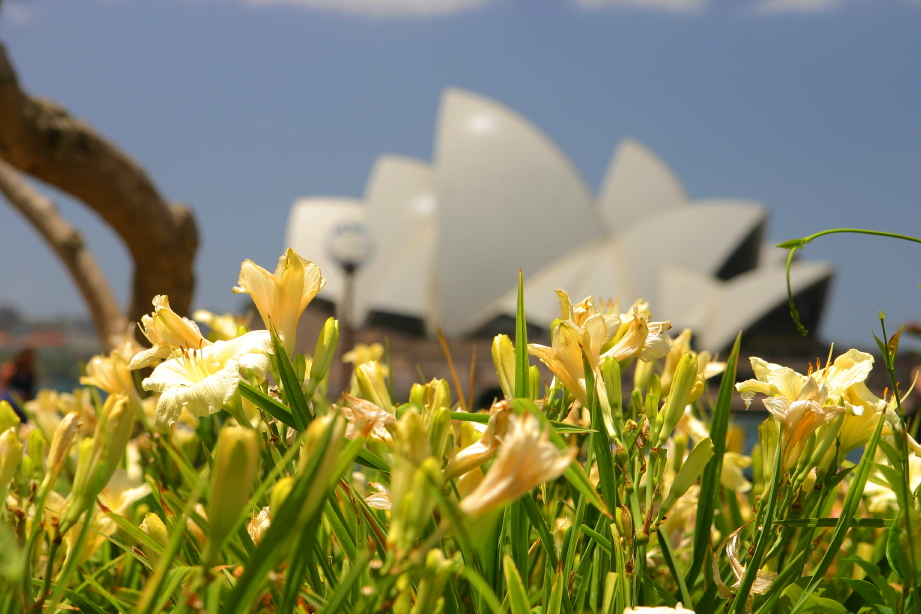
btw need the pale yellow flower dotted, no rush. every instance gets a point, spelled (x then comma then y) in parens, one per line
(564, 357)
(731, 475)
(644, 339)
(223, 327)
(205, 380)
(166, 331)
(800, 418)
(110, 373)
(281, 297)
(525, 460)
(487, 446)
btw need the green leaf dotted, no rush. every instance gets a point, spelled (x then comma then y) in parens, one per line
(517, 594)
(710, 483)
(267, 404)
(812, 523)
(337, 599)
(540, 525)
(867, 591)
(522, 377)
(688, 474)
(291, 386)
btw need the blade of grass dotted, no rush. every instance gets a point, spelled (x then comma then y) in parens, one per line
(277, 410)
(291, 386)
(710, 482)
(522, 379)
(454, 378)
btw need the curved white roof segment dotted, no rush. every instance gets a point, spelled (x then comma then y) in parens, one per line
(449, 236)
(508, 195)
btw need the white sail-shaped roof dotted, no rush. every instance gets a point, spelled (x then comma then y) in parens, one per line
(638, 184)
(507, 195)
(402, 209)
(311, 224)
(449, 236)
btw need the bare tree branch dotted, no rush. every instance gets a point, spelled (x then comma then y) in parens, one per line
(42, 139)
(68, 244)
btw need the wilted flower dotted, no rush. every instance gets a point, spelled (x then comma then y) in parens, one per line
(166, 331)
(281, 297)
(763, 579)
(204, 380)
(366, 416)
(381, 499)
(525, 460)
(259, 524)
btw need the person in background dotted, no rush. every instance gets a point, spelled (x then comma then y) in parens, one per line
(17, 380)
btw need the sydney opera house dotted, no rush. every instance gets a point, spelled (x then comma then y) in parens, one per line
(449, 236)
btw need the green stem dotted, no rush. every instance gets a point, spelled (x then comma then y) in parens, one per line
(796, 244)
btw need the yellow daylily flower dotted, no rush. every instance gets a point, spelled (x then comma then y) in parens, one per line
(487, 446)
(281, 297)
(525, 460)
(223, 327)
(731, 476)
(800, 418)
(110, 373)
(166, 331)
(564, 357)
(644, 339)
(381, 499)
(205, 380)
(259, 524)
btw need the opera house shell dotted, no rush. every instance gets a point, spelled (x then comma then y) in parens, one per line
(450, 235)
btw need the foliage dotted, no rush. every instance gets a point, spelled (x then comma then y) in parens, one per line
(240, 485)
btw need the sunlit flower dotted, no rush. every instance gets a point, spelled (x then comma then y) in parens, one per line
(281, 297)
(800, 418)
(110, 372)
(564, 358)
(365, 416)
(223, 327)
(880, 497)
(166, 331)
(525, 460)
(204, 380)
(487, 446)
(731, 476)
(644, 339)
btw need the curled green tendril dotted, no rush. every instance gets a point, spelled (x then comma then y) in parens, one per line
(795, 244)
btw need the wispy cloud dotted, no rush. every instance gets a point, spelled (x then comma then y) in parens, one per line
(673, 6)
(383, 8)
(767, 7)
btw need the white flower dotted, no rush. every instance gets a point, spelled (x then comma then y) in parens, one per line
(381, 499)
(204, 380)
(166, 332)
(365, 415)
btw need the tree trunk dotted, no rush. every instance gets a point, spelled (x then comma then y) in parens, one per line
(42, 139)
(68, 244)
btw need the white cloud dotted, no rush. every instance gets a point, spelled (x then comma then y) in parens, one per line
(796, 6)
(674, 6)
(19, 13)
(384, 8)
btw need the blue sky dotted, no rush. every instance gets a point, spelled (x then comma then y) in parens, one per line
(238, 108)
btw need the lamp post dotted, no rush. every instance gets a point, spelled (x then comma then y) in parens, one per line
(350, 246)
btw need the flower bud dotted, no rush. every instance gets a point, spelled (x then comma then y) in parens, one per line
(153, 526)
(280, 492)
(233, 472)
(37, 448)
(417, 395)
(373, 386)
(8, 417)
(503, 357)
(61, 440)
(10, 453)
(678, 397)
(324, 353)
(534, 382)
